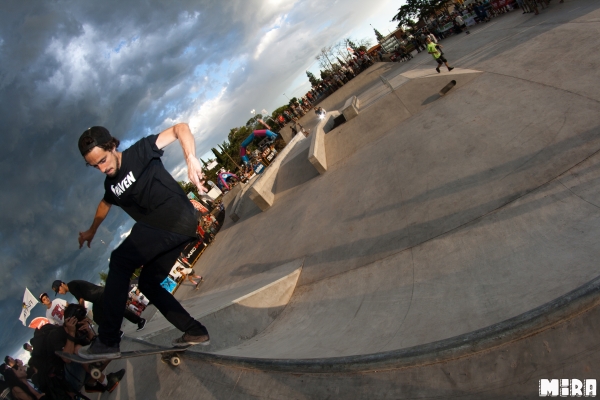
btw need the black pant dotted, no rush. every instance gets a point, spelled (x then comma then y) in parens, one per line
(157, 250)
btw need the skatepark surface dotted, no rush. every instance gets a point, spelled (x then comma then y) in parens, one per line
(449, 251)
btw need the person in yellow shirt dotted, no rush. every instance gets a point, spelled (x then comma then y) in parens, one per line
(434, 50)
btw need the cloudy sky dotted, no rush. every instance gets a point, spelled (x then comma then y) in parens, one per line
(136, 68)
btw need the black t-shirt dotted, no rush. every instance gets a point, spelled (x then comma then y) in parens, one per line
(148, 193)
(86, 290)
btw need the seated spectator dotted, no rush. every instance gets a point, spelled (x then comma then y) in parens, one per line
(16, 379)
(59, 377)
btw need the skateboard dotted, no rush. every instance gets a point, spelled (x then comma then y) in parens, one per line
(447, 88)
(199, 283)
(169, 355)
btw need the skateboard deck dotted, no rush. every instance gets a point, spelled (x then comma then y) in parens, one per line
(447, 88)
(169, 355)
(124, 354)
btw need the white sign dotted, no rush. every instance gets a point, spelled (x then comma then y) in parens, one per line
(29, 301)
(211, 165)
(214, 193)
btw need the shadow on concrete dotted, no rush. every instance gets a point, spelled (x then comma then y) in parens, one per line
(294, 172)
(431, 99)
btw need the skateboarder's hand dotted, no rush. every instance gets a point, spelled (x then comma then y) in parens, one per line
(86, 236)
(195, 173)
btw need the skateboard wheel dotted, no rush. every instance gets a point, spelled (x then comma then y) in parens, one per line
(175, 361)
(96, 373)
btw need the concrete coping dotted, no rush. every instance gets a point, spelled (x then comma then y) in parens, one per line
(317, 154)
(237, 202)
(261, 191)
(511, 330)
(351, 107)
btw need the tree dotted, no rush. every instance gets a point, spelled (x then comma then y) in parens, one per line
(405, 15)
(312, 78)
(364, 42)
(103, 276)
(378, 35)
(218, 156)
(414, 10)
(189, 187)
(323, 57)
(351, 44)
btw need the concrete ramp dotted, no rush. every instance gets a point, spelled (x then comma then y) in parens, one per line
(390, 102)
(234, 313)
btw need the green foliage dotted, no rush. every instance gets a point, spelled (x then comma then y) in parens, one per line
(218, 156)
(378, 35)
(103, 276)
(414, 10)
(351, 44)
(189, 187)
(312, 78)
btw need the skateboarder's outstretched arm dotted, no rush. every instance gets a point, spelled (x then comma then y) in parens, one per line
(182, 133)
(101, 213)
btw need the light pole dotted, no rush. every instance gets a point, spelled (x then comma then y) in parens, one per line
(287, 97)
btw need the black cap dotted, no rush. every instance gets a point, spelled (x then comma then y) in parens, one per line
(55, 285)
(42, 295)
(92, 137)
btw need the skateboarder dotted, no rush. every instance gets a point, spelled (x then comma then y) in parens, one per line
(137, 181)
(85, 291)
(434, 50)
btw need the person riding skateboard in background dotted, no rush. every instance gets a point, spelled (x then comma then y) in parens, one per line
(85, 291)
(434, 50)
(137, 181)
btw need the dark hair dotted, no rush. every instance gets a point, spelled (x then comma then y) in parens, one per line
(75, 310)
(6, 359)
(25, 346)
(113, 143)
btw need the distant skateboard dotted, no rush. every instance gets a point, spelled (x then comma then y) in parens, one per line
(169, 355)
(199, 283)
(447, 88)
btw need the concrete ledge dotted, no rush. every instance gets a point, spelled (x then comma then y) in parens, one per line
(237, 203)
(261, 191)
(235, 313)
(317, 154)
(351, 107)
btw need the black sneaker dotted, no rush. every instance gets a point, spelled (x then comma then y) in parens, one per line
(190, 340)
(141, 325)
(95, 388)
(437, 69)
(113, 380)
(450, 68)
(99, 351)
